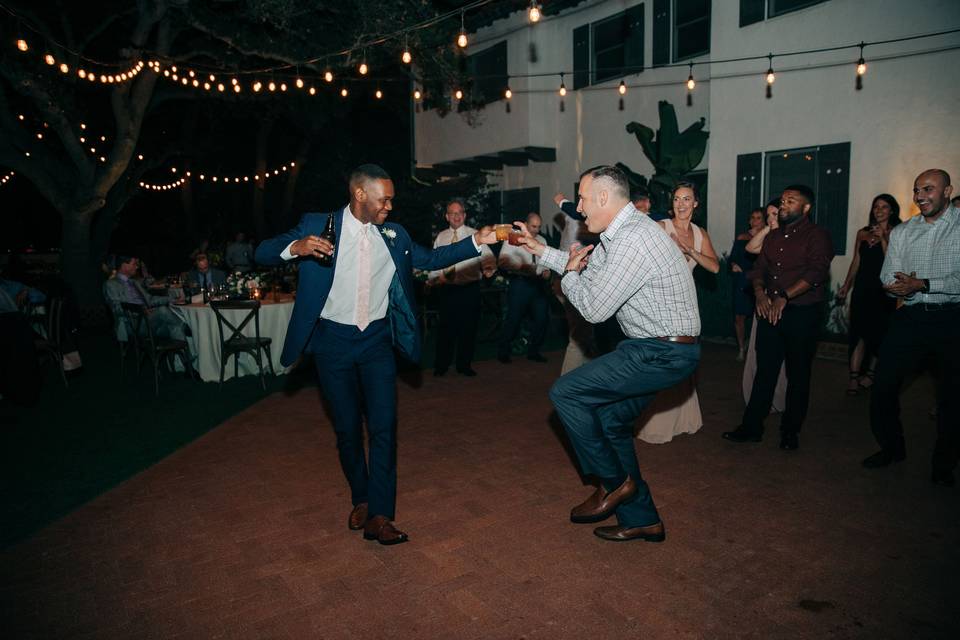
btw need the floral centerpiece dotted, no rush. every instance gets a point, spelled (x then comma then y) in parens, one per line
(241, 284)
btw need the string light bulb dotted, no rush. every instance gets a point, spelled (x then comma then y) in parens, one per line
(417, 94)
(328, 75)
(49, 59)
(406, 56)
(344, 92)
(771, 76)
(462, 38)
(299, 83)
(22, 44)
(691, 83)
(508, 93)
(861, 63)
(622, 88)
(378, 94)
(534, 13)
(458, 94)
(563, 87)
(364, 68)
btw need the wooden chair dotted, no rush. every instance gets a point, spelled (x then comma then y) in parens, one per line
(237, 342)
(146, 344)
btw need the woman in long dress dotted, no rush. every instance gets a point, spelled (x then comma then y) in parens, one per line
(677, 410)
(741, 261)
(750, 362)
(870, 307)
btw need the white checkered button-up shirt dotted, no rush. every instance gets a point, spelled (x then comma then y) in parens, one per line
(932, 250)
(636, 272)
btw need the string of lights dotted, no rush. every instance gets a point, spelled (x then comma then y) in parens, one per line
(6, 178)
(218, 179)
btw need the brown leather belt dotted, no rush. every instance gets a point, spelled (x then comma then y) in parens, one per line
(680, 339)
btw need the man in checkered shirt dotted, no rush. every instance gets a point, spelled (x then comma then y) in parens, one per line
(637, 273)
(922, 269)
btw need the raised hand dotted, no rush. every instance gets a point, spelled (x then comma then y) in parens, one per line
(578, 257)
(486, 235)
(527, 241)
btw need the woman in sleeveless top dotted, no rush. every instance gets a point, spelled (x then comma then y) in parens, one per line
(677, 410)
(741, 261)
(870, 307)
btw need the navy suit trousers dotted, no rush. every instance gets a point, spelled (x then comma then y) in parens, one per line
(599, 402)
(357, 374)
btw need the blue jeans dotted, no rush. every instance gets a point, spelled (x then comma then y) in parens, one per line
(357, 373)
(599, 402)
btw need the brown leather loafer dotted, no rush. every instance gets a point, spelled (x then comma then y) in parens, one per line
(358, 517)
(380, 528)
(601, 504)
(650, 533)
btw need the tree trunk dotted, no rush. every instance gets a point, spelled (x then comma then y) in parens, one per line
(79, 267)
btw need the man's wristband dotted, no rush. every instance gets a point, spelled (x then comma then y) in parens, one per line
(926, 285)
(568, 271)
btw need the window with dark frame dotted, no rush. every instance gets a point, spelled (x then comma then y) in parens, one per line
(691, 29)
(488, 68)
(608, 49)
(753, 11)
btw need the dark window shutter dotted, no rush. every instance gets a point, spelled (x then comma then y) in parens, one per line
(661, 32)
(751, 11)
(833, 186)
(633, 47)
(749, 170)
(581, 57)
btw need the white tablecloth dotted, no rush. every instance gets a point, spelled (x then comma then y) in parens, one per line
(205, 341)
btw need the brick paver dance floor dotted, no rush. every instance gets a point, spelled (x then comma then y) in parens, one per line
(243, 533)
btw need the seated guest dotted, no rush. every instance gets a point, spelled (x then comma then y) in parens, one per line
(526, 295)
(203, 274)
(19, 294)
(124, 288)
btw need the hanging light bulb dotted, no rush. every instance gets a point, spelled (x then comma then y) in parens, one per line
(272, 86)
(343, 92)
(378, 94)
(328, 75)
(406, 56)
(22, 44)
(313, 91)
(462, 38)
(416, 94)
(861, 63)
(64, 68)
(299, 83)
(257, 86)
(364, 68)
(508, 93)
(563, 87)
(533, 13)
(458, 94)
(49, 59)
(691, 83)
(771, 76)
(622, 88)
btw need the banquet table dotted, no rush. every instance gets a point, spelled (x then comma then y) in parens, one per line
(205, 339)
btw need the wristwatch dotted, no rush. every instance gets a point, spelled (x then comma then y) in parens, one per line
(568, 271)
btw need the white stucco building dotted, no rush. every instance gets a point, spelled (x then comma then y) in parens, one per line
(816, 127)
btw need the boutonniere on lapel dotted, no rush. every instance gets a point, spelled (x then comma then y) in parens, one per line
(389, 234)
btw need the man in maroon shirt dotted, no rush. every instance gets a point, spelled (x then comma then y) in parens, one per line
(789, 279)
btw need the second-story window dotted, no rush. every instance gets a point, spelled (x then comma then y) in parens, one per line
(488, 68)
(752, 11)
(681, 30)
(609, 48)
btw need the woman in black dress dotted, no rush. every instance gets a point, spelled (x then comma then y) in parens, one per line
(740, 263)
(870, 307)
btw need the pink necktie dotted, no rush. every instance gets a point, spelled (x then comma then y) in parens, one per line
(363, 281)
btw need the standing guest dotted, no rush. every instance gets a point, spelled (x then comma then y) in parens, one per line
(349, 316)
(753, 247)
(458, 290)
(527, 292)
(740, 263)
(870, 306)
(638, 274)
(788, 282)
(126, 288)
(676, 410)
(204, 275)
(922, 271)
(239, 254)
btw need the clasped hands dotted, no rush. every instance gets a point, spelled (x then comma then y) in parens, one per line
(904, 285)
(770, 308)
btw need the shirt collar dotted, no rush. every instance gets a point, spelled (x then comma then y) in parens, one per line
(122, 276)
(619, 220)
(800, 225)
(948, 217)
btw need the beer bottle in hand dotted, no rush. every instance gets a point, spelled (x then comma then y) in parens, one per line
(330, 235)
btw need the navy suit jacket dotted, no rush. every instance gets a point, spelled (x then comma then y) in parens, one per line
(315, 281)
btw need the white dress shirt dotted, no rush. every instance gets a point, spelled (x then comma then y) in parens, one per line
(471, 269)
(932, 250)
(520, 261)
(342, 300)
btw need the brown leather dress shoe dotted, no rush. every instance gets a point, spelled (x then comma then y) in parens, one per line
(650, 533)
(358, 517)
(601, 504)
(380, 528)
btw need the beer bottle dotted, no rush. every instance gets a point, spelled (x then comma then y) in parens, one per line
(330, 235)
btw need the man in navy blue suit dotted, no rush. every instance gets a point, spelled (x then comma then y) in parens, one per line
(349, 316)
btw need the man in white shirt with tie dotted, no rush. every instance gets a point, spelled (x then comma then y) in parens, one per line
(527, 295)
(457, 289)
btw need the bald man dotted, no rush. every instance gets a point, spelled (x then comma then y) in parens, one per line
(922, 270)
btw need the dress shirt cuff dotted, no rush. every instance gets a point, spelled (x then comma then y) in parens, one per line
(936, 285)
(476, 246)
(554, 259)
(286, 254)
